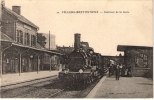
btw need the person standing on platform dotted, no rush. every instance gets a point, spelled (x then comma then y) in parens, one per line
(109, 68)
(129, 71)
(114, 68)
(109, 71)
(117, 72)
(120, 66)
(123, 70)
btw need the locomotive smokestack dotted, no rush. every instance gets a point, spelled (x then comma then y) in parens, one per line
(77, 41)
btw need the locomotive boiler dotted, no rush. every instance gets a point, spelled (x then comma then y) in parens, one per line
(83, 65)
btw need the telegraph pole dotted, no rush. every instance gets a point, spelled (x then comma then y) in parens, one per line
(49, 40)
(49, 49)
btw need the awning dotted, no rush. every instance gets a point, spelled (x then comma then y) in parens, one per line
(43, 50)
(6, 39)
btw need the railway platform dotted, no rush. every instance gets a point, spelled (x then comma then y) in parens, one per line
(9, 79)
(126, 87)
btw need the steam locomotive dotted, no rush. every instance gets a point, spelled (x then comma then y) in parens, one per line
(83, 65)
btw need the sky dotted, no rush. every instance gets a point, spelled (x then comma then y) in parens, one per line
(103, 31)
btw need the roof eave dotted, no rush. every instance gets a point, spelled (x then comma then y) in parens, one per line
(28, 24)
(119, 48)
(3, 40)
(38, 49)
(21, 19)
(124, 47)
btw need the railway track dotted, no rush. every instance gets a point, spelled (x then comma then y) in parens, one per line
(51, 88)
(55, 94)
(27, 83)
(81, 93)
(20, 90)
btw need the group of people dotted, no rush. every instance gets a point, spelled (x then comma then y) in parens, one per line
(119, 70)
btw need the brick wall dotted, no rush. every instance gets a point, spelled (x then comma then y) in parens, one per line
(8, 25)
(139, 71)
(138, 68)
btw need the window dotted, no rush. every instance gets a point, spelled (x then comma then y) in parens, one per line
(141, 55)
(19, 36)
(145, 57)
(145, 64)
(33, 40)
(27, 37)
(141, 61)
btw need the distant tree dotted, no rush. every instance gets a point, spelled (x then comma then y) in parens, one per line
(41, 39)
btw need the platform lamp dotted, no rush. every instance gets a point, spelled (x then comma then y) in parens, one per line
(31, 56)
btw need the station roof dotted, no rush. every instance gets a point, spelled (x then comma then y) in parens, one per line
(5, 38)
(38, 49)
(125, 47)
(20, 17)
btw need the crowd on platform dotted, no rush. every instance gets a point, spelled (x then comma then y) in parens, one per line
(119, 70)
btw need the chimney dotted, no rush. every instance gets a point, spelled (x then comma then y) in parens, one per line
(77, 41)
(16, 9)
(3, 3)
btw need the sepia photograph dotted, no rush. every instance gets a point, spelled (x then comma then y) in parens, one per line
(96, 49)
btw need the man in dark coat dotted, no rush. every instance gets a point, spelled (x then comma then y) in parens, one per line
(117, 72)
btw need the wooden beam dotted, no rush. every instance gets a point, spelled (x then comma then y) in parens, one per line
(20, 65)
(50, 62)
(1, 62)
(38, 63)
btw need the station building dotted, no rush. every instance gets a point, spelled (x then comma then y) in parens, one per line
(139, 58)
(20, 51)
